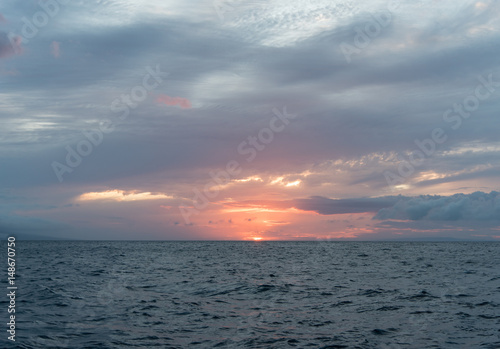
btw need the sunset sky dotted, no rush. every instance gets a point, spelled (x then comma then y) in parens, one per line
(248, 120)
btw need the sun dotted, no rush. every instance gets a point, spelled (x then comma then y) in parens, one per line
(257, 239)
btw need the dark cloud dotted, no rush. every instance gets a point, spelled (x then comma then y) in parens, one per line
(477, 206)
(327, 206)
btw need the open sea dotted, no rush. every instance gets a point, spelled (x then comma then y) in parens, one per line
(255, 295)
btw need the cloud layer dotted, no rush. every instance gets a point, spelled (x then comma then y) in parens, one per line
(357, 119)
(477, 206)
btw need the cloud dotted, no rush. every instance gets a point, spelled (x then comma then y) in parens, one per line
(10, 47)
(327, 206)
(321, 205)
(477, 206)
(120, 195)
(355, 120)
(172, 101)
(55, 49)
(2, 19)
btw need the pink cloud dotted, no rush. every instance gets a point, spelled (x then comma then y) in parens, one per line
(172, 101)
(2, 19)
(10, 47)
(55, 49)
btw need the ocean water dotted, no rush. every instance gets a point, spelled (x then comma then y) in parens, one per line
(255, 295)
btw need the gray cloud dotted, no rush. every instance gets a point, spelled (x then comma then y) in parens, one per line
(327, 206)
(477, 206)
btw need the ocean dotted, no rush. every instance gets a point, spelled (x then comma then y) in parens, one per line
(255, 295)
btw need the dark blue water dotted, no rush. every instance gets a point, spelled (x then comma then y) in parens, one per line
(255, 295)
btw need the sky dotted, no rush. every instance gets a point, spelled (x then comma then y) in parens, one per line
(250, 120)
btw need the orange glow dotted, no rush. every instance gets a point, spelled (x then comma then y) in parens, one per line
(263, 219)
